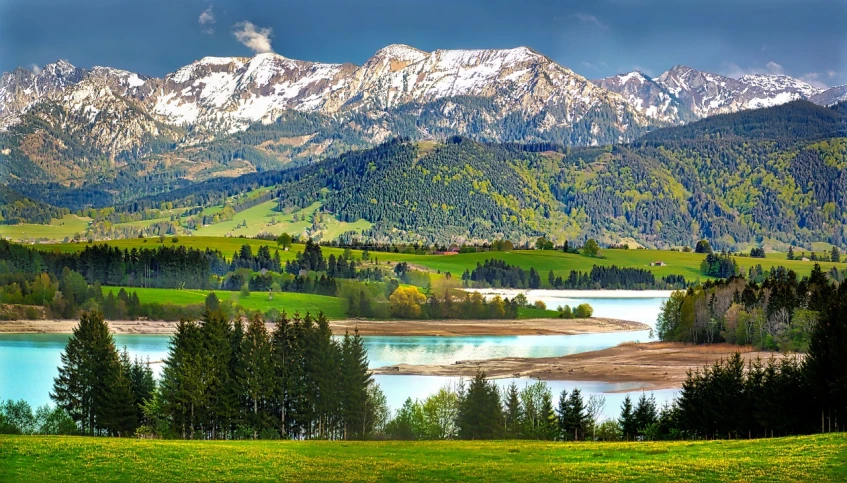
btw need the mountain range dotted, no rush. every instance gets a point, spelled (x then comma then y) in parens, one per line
(226, 116)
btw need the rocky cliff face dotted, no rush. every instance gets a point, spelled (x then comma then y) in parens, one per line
(489, 94)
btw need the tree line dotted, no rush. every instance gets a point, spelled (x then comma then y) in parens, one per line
(223, 380)
(498, 273)
(771, 309)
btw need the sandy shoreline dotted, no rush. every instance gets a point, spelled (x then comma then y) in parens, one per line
(368, 327)
(657, 365)
(576, 294)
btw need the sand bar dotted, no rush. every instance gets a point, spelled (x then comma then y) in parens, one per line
(369, 327)
(657, 365)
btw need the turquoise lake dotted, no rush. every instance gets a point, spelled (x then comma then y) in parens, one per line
(28, 362)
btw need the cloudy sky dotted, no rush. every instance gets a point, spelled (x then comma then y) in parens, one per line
(802, 38)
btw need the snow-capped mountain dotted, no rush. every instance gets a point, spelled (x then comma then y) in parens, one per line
(645, 95)
(489, 94)
(682, 93)
(21, 88)
(831, 96)
(230, 93)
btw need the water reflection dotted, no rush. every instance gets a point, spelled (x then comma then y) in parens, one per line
(28, 362)
(398, 388)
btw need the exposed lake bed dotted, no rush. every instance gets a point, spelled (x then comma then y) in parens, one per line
(512, 350)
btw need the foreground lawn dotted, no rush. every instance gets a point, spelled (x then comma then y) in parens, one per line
(40, 458)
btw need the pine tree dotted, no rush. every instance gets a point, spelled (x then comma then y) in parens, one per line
(563, 413)
(120, 414)
(216, 333)
(627, 420)
(480, 414)
(577, 418)
(355, 379)
(185, 380)
(825, 365)
(256, 377)
(89, 367)
(512, 413)
(645, 413)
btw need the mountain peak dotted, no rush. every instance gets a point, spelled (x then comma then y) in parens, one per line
(60, 68)
(401, 52)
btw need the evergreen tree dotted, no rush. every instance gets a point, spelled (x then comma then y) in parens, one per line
(825, 365)
(355, 380)
(480, 414)
(120, 416)
(90, 366)
(256, 377)
(627, 422)
(216, 333)
(512, 413)
(563, 413)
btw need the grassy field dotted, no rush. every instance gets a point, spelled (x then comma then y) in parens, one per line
(687, 264)
(810, 458)
(264, 217)
(332, 307)
(57, 230)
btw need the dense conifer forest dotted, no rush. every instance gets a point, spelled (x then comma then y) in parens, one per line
(780, 169)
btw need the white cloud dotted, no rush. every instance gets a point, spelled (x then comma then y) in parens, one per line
(254, 38)
(736, 71)
(597, 65)
(588, 19)
(644, 70)
(35, 69)
(816, 79)
(207, 20)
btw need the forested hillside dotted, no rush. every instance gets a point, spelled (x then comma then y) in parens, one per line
(770, 176)
(16, 208)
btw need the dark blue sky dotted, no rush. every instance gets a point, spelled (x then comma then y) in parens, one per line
(803, 38)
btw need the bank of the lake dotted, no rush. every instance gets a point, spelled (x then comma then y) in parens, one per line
(650, 366)
(492, 327)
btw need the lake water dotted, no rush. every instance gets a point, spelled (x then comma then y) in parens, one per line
(28, 362)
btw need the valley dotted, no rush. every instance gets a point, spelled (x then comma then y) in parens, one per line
(482, 240)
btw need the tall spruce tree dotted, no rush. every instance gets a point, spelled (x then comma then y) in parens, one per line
(512, 413)
(256, 377)
(480, 414)
(355, 379)
(90, 366)
(825, 365)
(627, 422)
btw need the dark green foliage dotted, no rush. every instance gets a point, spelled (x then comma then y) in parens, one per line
(825, 366)
(498, 273)
(627, 421)
(766, 400)
(703, 246)
(794, 120)
(224, 381)
(95, 385)
(719, 265)
(480, 414)
(16, 208)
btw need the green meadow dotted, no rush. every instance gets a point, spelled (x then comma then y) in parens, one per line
(332, 307)
(818, 458)
(58, 229)
(686, 264)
